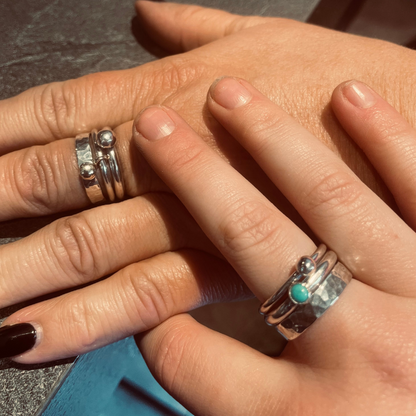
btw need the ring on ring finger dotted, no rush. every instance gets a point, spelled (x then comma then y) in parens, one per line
(99, 165)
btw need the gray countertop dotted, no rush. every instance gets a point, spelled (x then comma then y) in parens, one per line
(44, 41)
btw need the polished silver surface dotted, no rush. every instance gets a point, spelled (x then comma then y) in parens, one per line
(274, 301)
(324, 280)
(107, 141)
(327, 263)
(101, 162)
(118, 182)
(311, 282)
(99, 165)
(87, 169)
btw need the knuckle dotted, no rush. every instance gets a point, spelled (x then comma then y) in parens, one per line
(169, 75)
(81, 325)
(55, 108)
(77, 249)
(59, 107)
(36, 181)
(250, 225)
(147, 297)
(336, 192)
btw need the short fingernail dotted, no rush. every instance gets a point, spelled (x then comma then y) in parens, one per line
(359, 95)
(229, 93)
(154, 123)
(16, 339)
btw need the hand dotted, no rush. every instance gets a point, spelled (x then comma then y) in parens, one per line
(113, 240)
(358, 358)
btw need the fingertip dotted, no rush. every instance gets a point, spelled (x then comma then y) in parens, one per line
(141, 5)
(337, 93)
(19, 341)
(153, 123)
(354, 95)
(230, 92)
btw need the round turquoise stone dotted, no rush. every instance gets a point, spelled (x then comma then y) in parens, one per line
(299, 293)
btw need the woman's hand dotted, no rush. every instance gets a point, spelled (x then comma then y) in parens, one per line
(359, 357)
(297, 65)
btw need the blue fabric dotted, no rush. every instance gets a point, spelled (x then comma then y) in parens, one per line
(112, 381)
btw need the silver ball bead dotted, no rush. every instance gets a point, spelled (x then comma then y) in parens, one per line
(87, 171)
(306, 265)
(106, 139)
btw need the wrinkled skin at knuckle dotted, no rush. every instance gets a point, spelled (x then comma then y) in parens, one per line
(35, 180)
(147, 296)
(334, 192)
(248, 228)
(76, 247)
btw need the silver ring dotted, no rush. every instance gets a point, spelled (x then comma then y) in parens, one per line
(101, 162)
(106, 140)
(316, 285)
(99, 165)
(88, 169)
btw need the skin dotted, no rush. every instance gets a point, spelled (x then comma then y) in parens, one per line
(359, 357)
(165, 264)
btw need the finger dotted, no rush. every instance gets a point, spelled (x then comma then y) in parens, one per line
(42, 180)
(82, 248)
(212, 374)
(182, 27)
(337, 206)
(386, 137)
(134, 299)
(64, 109)
(200, 368)
(238, 219)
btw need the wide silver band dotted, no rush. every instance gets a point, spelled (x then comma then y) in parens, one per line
(322, 278)
(99, 165)
(87, 169)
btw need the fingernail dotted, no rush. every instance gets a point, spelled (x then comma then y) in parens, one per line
(359, 95)
(16, 339)
(154, 124)
(229, 93)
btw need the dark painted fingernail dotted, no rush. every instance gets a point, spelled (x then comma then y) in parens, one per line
(16, 339)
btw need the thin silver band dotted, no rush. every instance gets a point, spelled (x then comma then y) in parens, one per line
(272, 303)
(114, 164)
(101, 162)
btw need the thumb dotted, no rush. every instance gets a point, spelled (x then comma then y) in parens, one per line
(179, 27)
(212, 374)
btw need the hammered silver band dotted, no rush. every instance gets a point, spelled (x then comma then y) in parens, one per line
(316, 285)
(99, 165)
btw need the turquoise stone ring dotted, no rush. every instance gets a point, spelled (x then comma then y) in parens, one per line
(299, 293)
(314, 286)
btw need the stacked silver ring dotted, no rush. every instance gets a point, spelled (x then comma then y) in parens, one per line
(99, 166)
(316, 284)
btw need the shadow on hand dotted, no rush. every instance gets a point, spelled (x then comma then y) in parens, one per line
(144, 40)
